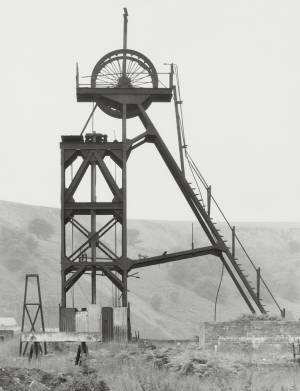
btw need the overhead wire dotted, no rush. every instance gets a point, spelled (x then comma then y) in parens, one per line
(218, 290)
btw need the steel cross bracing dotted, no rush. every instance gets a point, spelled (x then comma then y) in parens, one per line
(119, 89)
(95, 152)
(32, 311)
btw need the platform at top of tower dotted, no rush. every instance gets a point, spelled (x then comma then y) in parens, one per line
(128, 95)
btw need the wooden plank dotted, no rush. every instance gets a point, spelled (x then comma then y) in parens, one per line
(60, 337)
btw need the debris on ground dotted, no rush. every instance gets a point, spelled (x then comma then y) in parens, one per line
(21, 379)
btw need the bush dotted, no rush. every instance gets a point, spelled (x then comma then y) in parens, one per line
(41, 228)
(84, 383)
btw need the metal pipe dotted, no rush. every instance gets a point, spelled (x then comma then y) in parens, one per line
(178, 125)
(125, 16)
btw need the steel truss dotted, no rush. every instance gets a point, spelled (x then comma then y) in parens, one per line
(73, 266)
(112, 89)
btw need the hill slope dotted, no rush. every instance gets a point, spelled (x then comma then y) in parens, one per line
(166, 301)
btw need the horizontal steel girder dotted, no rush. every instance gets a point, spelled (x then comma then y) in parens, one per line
(129, 264)
(100, 208)
(130, 95)
(82, 269)
(178, 256)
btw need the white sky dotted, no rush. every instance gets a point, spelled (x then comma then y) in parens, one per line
(239, 65)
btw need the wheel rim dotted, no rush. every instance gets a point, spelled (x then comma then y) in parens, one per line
(140, 73)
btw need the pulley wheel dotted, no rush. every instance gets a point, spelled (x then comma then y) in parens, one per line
(108, 73)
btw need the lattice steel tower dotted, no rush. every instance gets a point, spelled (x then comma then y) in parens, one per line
(124, 83)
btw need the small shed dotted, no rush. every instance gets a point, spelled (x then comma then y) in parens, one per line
(110, 322)
(7, 328)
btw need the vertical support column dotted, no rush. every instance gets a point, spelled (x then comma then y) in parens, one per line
(23, 313)
(116, 301)
(178, 124)
(93, 231)
(124, 167)
(62, 228)
(41, 310)
(258, 283)
(124, 293)
(124, 193)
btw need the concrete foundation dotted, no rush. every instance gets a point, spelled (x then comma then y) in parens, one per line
(250, 335)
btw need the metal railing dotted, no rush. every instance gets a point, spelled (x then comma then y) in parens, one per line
(204, 191)
(164, 80)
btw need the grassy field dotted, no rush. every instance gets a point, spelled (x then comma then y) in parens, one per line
(146, 368)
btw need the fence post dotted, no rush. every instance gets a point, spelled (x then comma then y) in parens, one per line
(208, 200)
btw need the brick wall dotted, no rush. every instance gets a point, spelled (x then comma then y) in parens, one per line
(249, 334)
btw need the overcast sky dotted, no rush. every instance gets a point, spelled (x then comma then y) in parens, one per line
(239, 67)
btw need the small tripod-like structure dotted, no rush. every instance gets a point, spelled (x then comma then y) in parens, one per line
(31, 311)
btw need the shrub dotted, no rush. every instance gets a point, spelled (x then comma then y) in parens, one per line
(84, 383)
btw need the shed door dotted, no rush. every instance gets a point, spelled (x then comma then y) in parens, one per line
(107, 324)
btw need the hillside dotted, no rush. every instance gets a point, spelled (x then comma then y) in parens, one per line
(166, 301)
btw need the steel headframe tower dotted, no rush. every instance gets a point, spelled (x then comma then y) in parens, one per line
(124, 83)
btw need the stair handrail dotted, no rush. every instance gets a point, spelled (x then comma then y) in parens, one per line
(196, 173)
